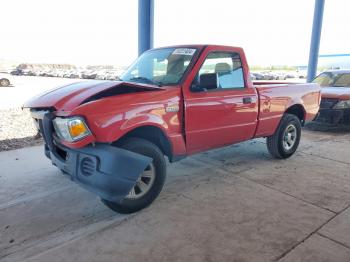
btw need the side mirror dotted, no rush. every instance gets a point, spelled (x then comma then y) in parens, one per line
(209, 81)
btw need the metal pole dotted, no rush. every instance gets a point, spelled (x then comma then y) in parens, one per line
(315, 39)
(145, 30)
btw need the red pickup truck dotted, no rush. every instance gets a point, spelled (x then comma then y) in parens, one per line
(112, 136)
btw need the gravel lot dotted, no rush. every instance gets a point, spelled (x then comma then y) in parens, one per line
(17, 129)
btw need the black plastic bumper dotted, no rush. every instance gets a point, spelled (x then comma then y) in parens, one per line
(107, 171)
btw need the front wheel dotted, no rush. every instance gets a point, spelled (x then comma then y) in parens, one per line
(150, 182)
(285, 141)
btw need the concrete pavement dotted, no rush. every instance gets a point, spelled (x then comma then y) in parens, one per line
(230, 204)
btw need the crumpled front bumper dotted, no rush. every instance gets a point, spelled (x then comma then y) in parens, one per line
(105, 170)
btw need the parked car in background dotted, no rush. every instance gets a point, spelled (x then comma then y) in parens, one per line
(4, 80)
(17, 72)
(273, 76)
(112, 137)
(74, 74)
(46, 73)
(289, 75)
(112, 76)
(335, 92)
(66, 74)
(29, 73)
(268, 76)
(302, 74)
(101, 75)
(280, 76)
(258, 76)
(89, 75)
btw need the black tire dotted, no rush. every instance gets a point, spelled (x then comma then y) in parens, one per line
(144, 147)
(4, 82)
(275, 143)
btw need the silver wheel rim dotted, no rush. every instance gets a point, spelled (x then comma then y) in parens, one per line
(289, 137)
(144, 183)
(3, 82)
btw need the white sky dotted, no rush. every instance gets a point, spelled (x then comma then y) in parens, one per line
(105, 31)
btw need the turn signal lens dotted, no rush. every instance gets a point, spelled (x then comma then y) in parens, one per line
(71, 129)
(77, 128)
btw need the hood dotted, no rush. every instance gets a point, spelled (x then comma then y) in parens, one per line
(342, 93)
(70, 96)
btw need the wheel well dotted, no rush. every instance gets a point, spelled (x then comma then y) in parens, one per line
(298, 111)
(152, 134)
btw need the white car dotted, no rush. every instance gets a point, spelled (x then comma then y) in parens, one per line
(4, 80)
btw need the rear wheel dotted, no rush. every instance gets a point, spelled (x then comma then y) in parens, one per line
(4, 82)
(285, 141)
(150, 182)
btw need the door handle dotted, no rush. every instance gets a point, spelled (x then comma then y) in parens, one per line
(247, 100)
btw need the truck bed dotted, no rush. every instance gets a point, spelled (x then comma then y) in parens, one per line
(276, 97)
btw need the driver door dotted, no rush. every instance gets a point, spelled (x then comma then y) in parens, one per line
(223, 113)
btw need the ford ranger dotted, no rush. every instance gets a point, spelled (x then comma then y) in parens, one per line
(112, 137)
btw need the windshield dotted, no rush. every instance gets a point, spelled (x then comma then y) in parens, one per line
(333, 79)
(160, 66)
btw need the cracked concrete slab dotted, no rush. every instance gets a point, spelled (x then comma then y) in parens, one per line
(25, 173)
(318, 249)
(210, 220)
(23, 224)
(339, 228)
(326, 185)
(329, 145)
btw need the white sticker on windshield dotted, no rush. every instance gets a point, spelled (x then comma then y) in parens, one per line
(184, 51)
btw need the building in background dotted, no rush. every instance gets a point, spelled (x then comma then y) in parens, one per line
(334, 61)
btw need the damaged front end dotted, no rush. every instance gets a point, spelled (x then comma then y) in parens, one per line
(105, 170)
(332, 112)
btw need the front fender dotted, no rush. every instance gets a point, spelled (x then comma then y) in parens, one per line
(138, 121)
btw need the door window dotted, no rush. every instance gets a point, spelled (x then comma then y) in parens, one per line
(221, 70)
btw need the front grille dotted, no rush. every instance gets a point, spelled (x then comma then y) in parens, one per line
(62, 153)
(87, 166)
(327, 103)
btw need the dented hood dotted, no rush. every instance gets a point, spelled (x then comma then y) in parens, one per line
(342, 93)
(70, 96)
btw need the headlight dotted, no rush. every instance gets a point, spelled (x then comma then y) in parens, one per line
(342, 104)
(71, 129)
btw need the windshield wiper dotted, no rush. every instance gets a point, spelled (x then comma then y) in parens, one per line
(146, 80)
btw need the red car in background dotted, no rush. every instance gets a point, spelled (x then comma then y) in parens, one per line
(335, 91)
